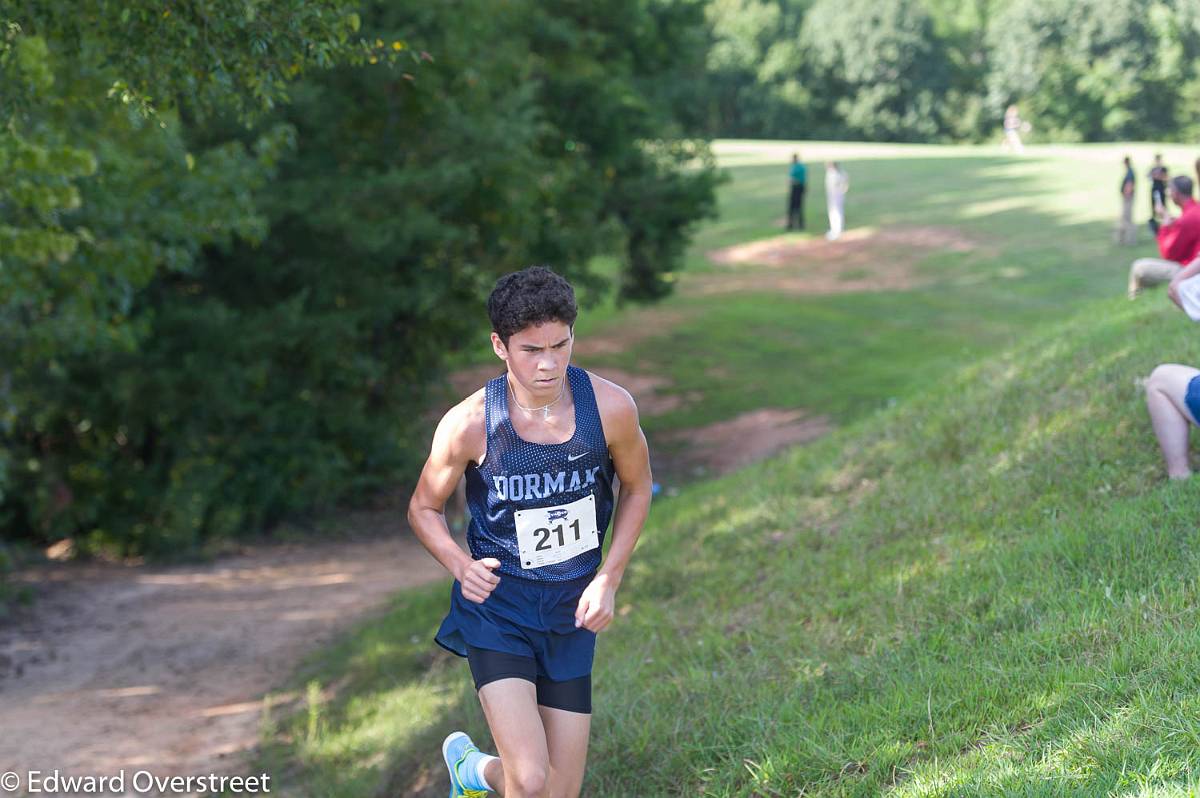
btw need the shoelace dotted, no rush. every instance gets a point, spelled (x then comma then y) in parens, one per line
(467, 793)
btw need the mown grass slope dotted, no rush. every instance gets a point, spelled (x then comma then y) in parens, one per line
(989, 589)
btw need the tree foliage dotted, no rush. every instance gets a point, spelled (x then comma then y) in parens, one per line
(231, 263)
(945, 70)
(882, 71)
(99, 194)
(1090, 70)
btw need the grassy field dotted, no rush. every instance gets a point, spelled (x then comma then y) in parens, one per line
(980, 584)
(1043, 229)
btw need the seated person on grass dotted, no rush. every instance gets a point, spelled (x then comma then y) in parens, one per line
(1173, 397)
(1178, 241)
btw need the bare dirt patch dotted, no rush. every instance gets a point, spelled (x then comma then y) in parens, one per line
(863, 259)
(649, 392)
(748, 438)
(166, 668)
(635, 327)
(465, 382)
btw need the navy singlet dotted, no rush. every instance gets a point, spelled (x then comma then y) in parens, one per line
(518, 475)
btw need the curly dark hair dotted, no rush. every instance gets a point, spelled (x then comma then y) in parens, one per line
(531, 296)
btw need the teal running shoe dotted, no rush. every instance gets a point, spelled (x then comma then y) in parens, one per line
(455, 750)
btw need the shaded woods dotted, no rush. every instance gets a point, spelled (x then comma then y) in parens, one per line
(238, 241)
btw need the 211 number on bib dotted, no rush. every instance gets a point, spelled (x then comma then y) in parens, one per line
(550, 535)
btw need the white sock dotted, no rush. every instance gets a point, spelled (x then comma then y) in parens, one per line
(480, 766)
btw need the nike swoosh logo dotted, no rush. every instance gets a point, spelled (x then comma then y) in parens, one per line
(571, 458)
(498, 515)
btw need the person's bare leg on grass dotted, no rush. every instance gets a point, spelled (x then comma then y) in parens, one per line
(1165, 391)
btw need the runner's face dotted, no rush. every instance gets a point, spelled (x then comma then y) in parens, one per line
(537, 357)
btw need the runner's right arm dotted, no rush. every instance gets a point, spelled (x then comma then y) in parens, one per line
(458, 441)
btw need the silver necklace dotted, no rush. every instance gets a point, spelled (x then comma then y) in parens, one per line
(544, 408)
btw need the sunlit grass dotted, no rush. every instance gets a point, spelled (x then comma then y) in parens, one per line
(1042, 227)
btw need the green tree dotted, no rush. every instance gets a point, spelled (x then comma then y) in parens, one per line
(882, 71)
(962, 27)
(742, 32)
(98, 194)
(1090, 70)
(241, 322)
(757, 72)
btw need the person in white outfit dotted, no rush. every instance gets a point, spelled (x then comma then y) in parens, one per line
(1014, 126)
(837, 183)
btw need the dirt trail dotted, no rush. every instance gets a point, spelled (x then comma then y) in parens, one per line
(726, 446)
(165, 668)
(863, 259)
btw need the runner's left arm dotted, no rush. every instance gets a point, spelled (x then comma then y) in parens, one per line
(631, 459)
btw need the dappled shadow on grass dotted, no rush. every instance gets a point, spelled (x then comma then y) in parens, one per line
(885, 612)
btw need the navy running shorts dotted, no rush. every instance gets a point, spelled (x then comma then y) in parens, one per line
(527, 619)
(1192, 398)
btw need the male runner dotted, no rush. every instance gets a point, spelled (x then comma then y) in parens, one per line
(540, 446)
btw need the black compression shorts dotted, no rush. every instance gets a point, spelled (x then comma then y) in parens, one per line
(573, 695)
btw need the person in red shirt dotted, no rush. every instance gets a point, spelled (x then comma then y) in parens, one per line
(1178, 241)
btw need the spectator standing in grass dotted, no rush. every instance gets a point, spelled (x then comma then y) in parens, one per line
(1013, 128)
(837, 183)
(798, 177)
(1158, 193)
(1126, 230)
(1178, 241)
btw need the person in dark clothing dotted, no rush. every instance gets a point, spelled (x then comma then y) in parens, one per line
(1126, 231)
(1158, 194)
(798, 177)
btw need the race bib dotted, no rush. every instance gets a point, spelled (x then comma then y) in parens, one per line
(550, 535)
